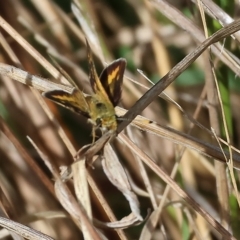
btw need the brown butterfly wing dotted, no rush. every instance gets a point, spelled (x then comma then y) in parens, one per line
(112, 79)
(75, 101)
(93, 77)
(108, 86)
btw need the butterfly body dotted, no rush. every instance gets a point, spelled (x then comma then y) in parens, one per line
(102, 113)
(98, 107)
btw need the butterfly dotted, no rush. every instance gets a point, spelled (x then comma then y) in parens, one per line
(98, 107)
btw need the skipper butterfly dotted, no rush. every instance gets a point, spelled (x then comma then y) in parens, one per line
(99, 107)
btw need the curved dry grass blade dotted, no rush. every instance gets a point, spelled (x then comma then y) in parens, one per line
(130, 220)
(117, 176)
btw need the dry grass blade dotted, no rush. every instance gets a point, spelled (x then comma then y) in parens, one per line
(5, 130)
(184, 139)
(76, 210)
(151, 94)
(148, 230)
(81, 186)
(23, 230)
(188, 25)
(41, 84)
(106, 208)
(45, 85)
(32, 51)
(96, 147)
(144, 175)
(173, 185)
(116, 174)
(180, 138)
(217, 13)
(81, 13)
(125, 222)
(170, 162)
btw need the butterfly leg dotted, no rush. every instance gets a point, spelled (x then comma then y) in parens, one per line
(93, 134)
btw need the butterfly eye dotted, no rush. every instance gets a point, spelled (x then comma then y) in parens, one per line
(99, 105)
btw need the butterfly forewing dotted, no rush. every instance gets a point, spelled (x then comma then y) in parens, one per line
(93, 77)
(112, 79)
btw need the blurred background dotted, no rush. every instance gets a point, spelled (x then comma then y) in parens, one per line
(153, 36)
